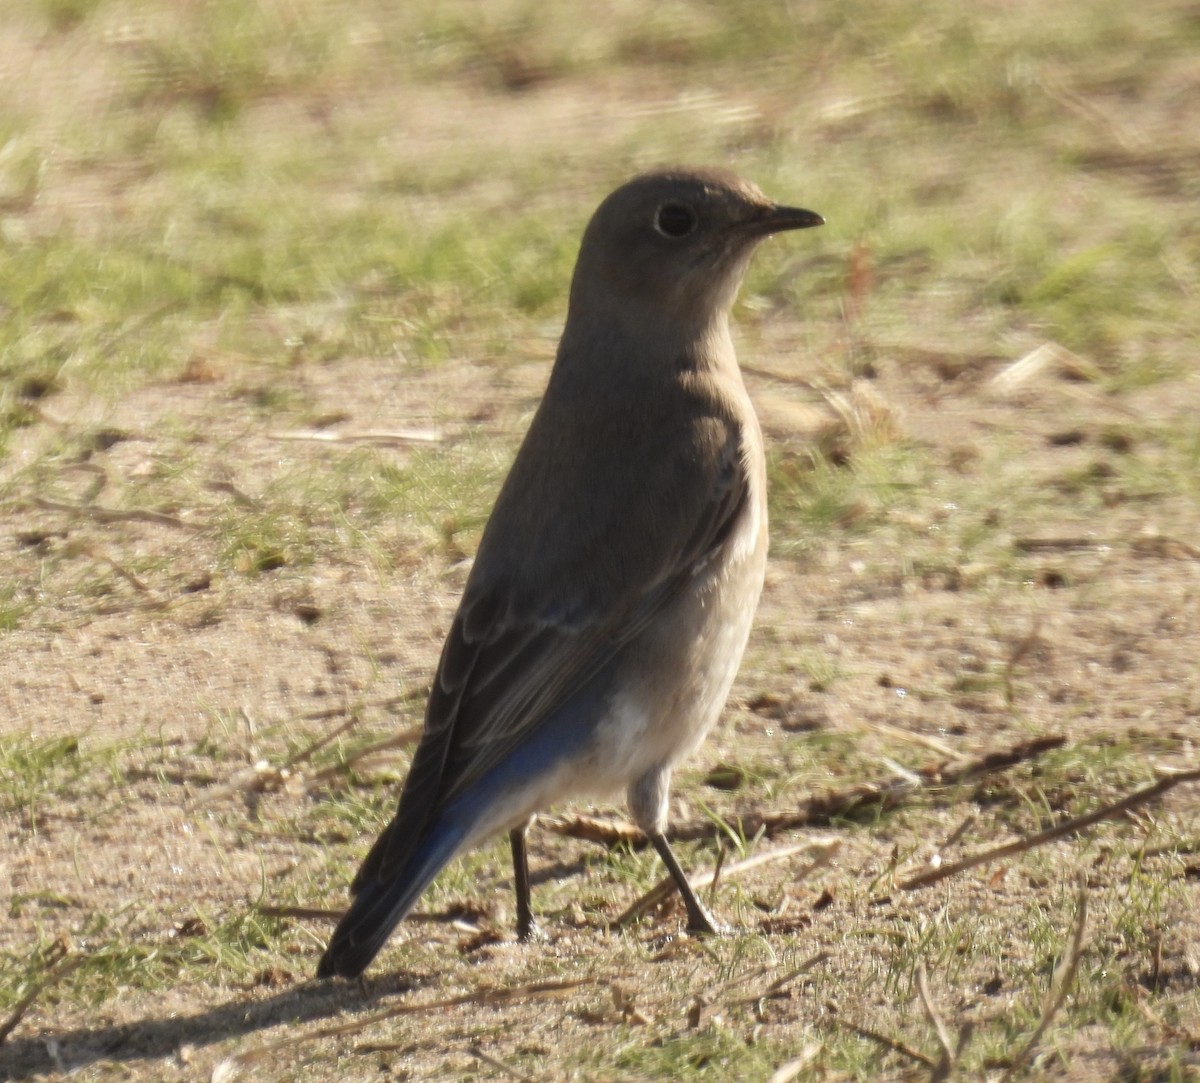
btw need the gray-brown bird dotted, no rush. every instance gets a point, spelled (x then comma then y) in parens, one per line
(611, 597)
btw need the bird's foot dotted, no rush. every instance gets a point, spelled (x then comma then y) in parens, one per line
(530, 932)
(701, 923)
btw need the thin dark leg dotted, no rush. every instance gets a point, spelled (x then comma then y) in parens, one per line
(525, 924)
(699, 919)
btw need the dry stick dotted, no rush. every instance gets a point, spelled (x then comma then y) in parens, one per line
(227, 1069)
(818, 811)
(1064, 978)
(1070, 827)
(53, 976)
(890, 1043)
(109, 515)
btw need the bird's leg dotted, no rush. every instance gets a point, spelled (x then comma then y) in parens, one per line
(699, 919)
(526, 927)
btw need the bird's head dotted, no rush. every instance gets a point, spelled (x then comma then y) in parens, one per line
(674, 244)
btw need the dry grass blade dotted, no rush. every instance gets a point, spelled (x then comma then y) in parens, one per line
(1060, 987)
(664, 887)
(946, 1062)
(927, 1003)
(229, 489)
(228, 1068)
(399, 740)
(379, 437)
(1047, 356)
(311, 749)
(776, 987)
(302, 913)
(789, 1069)
(956, 836)
(1070, 827)
(898, 733)
(894, 1044)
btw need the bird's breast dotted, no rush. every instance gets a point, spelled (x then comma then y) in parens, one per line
(675, 677)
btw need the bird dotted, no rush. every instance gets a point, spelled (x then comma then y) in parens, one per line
(613, 589)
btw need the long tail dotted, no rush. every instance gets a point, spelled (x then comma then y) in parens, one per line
(382, 901)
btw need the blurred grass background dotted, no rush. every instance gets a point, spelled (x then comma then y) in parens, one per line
(299, 179)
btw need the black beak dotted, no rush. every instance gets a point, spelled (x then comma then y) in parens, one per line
(778, 219)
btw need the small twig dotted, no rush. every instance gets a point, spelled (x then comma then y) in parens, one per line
(898, 733)
(152, 600)
(63, 965)
(776, 987)
(1033, 545)
(240, 498)
(1069, 827)
(499, 1065)
(603, 830)
(722, 851)
(306, 753)
(259, 777)
(895, 1045)
(301, 913)
(110, 515)
(1060, 986)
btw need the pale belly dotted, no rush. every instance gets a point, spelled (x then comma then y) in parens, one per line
(676, 677)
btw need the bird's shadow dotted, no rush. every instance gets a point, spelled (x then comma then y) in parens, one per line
(157, 1037)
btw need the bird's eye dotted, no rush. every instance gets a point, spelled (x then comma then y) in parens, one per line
(674, 220)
